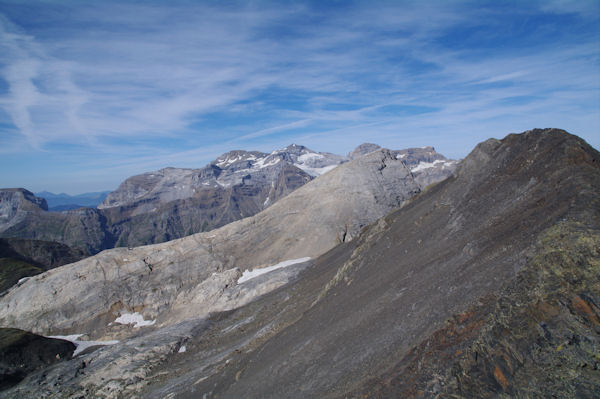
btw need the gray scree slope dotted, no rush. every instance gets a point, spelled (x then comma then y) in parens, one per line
(364, 319)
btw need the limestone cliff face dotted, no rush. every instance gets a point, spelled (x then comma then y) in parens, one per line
(250, 168)
(15, 203)
(325, 212)
(153, 221)
(171, 203)
(427, 165)
(83, 229)
(171, 284)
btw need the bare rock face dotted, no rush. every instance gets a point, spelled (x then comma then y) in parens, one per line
(478, 287)
(362, 150)
(327, 211)
(237, 167)
(489, 275)
(427, 165)
(15, 203)
(25, 216)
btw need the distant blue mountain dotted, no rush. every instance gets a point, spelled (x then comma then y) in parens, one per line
(63, 202)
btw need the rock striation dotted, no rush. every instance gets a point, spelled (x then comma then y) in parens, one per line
(427, 166)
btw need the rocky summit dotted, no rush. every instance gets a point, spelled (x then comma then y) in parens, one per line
(360, 283)
(250, 168)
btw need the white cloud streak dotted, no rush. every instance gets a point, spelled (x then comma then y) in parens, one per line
(126, 82)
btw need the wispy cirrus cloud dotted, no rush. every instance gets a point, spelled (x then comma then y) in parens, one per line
(141, 86)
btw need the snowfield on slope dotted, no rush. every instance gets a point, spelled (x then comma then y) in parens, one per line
(134, 318)
(82, 345)
(250, 274)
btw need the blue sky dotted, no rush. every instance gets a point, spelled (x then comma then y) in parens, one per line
(92, 92)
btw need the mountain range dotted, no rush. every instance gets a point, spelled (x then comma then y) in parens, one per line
(172, 203)
(65, 202)
(363, 282)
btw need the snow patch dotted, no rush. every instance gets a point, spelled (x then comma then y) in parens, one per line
(308, 156)
(182, 349)
(427, 165)
(21, 281)
(314, 172)
(80, 346)
(250, 274)
(261, 163)
(400, 156)
(71, 338)
(221, 163)
(134, 318)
